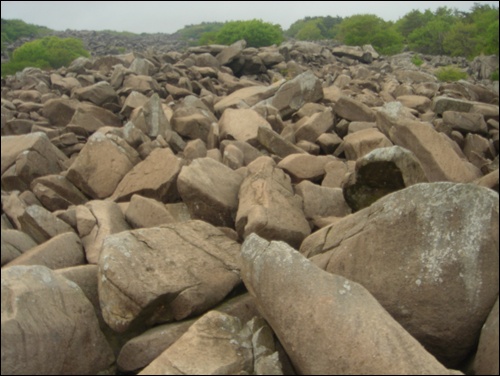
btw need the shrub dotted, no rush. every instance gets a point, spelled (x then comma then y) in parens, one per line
(417, 60)
(450, 74)
(48, 52)
(494, 76)
(256, 32)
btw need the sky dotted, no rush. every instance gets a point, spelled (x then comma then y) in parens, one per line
(170, 16)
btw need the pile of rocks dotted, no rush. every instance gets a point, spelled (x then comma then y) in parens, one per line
(291, 209)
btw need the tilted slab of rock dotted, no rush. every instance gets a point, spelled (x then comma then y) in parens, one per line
(150, 118)
(14, 244)
(276, 144)
(59, 111)
(165, 273)
(293, 94)
(41, 224)
(155, 177)
(27, 157)
(102, 164)
(305, 166)
(435, 151)
(49, 326)
(486, 361)
(360, 143)
(268, 205)
(327, 323)
(147, 212)
(95, 221)
(246, 97)
(429, 254)
(380, 172)
(55, 192)
(322, 201)
(241, 125)
(100, 93)
(353, 110)
(318, 124)
(210, 190)
(61, 251)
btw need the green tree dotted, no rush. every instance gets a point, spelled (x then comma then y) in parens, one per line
(48, 52)
(413, 20)
(310, 31)
(256, 32)
(430, 38)
(364, 29)
(461, 40)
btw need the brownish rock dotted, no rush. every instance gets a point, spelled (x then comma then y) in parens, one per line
(100, 93)
(318, 124)
(322, 201)
(241, 125)
(353, 110)
(41, 224)
(305, 167)
(425, 280)
(357, 145)
(55, 192)
(102, 164)
(147, 212)
(210, 190)
(155, 177)
(276, 144)
(268, 205)
(58, 320)
(14, 244)
(176, 271)
(486, 361)
(346, 318)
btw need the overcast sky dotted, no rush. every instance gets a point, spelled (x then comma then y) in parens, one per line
(170, 16)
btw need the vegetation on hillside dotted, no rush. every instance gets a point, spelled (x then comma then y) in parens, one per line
(194, 33)
(13, 30)
(314, 28)
(45, 53)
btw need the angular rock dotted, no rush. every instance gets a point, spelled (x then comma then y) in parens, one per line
(147, 212)
(228, 54)
(102, 218)
(142, 84)
(435, 152)
(55, 192)
(30, 156)
(151, 119)
(59, 111)
(465, 122)
(293, 94)
(61, 251)
(268, 205)
(41, 224)
(354, 52)
(305, 167)
(155, 177)
(160, 274)
(486, 361)
(210, 190)
(353, 110)
(276, 144)
(216, 344)
(358, 144)
(379, 173)
(134, 100)
(88, 118)
(100, 94)
(424, 279)
(241, 125)
(442, 104)
(101, 165)
(322, 201)
(417, 102)
(414, 77)
(345, 318)
(318, 124)
(58, 320)
(14, 244)
(246, 97)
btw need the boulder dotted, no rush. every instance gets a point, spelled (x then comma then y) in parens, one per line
(95, 221)
(486, 360)
(413, 76)
(358, 144)
(150, 118)
(346, 318)
(318, 124)
(293, 94)
(322, 201)
(100, 94)
(14, 244)
(229, 53)
(246, 97)
(58, 320)
(88, 118)
(355, 52)
(147, 212)
(142, 84)
(210, 190)
(417, 102)
(380, 172)
(61, 251)
(155, 177)
(101, 165)
(216, 344)
(424, 279)
(241, 125)
(41, 224)
(268, 205)
(465, 122)
(55, 192)
(276, 144)
(59, 111)
(305, 167)
(353, 110)
(160, 274)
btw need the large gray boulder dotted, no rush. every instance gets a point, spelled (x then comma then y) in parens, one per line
(327, 323)
(49, 326)
(429, 254)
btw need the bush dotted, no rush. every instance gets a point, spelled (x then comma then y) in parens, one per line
(417, 60)
(494, 76)
(450, 74)
(256, 33)
(45, 53)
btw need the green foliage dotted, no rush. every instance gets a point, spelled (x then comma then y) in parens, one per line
(494, 76)
(450, 74)
(364, 29)
(48, 52)
(256, 32)
(195, 32)
(13, 30)
(314, 28)
(417, 60)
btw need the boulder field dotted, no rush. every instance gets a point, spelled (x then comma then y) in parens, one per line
(293, 209)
